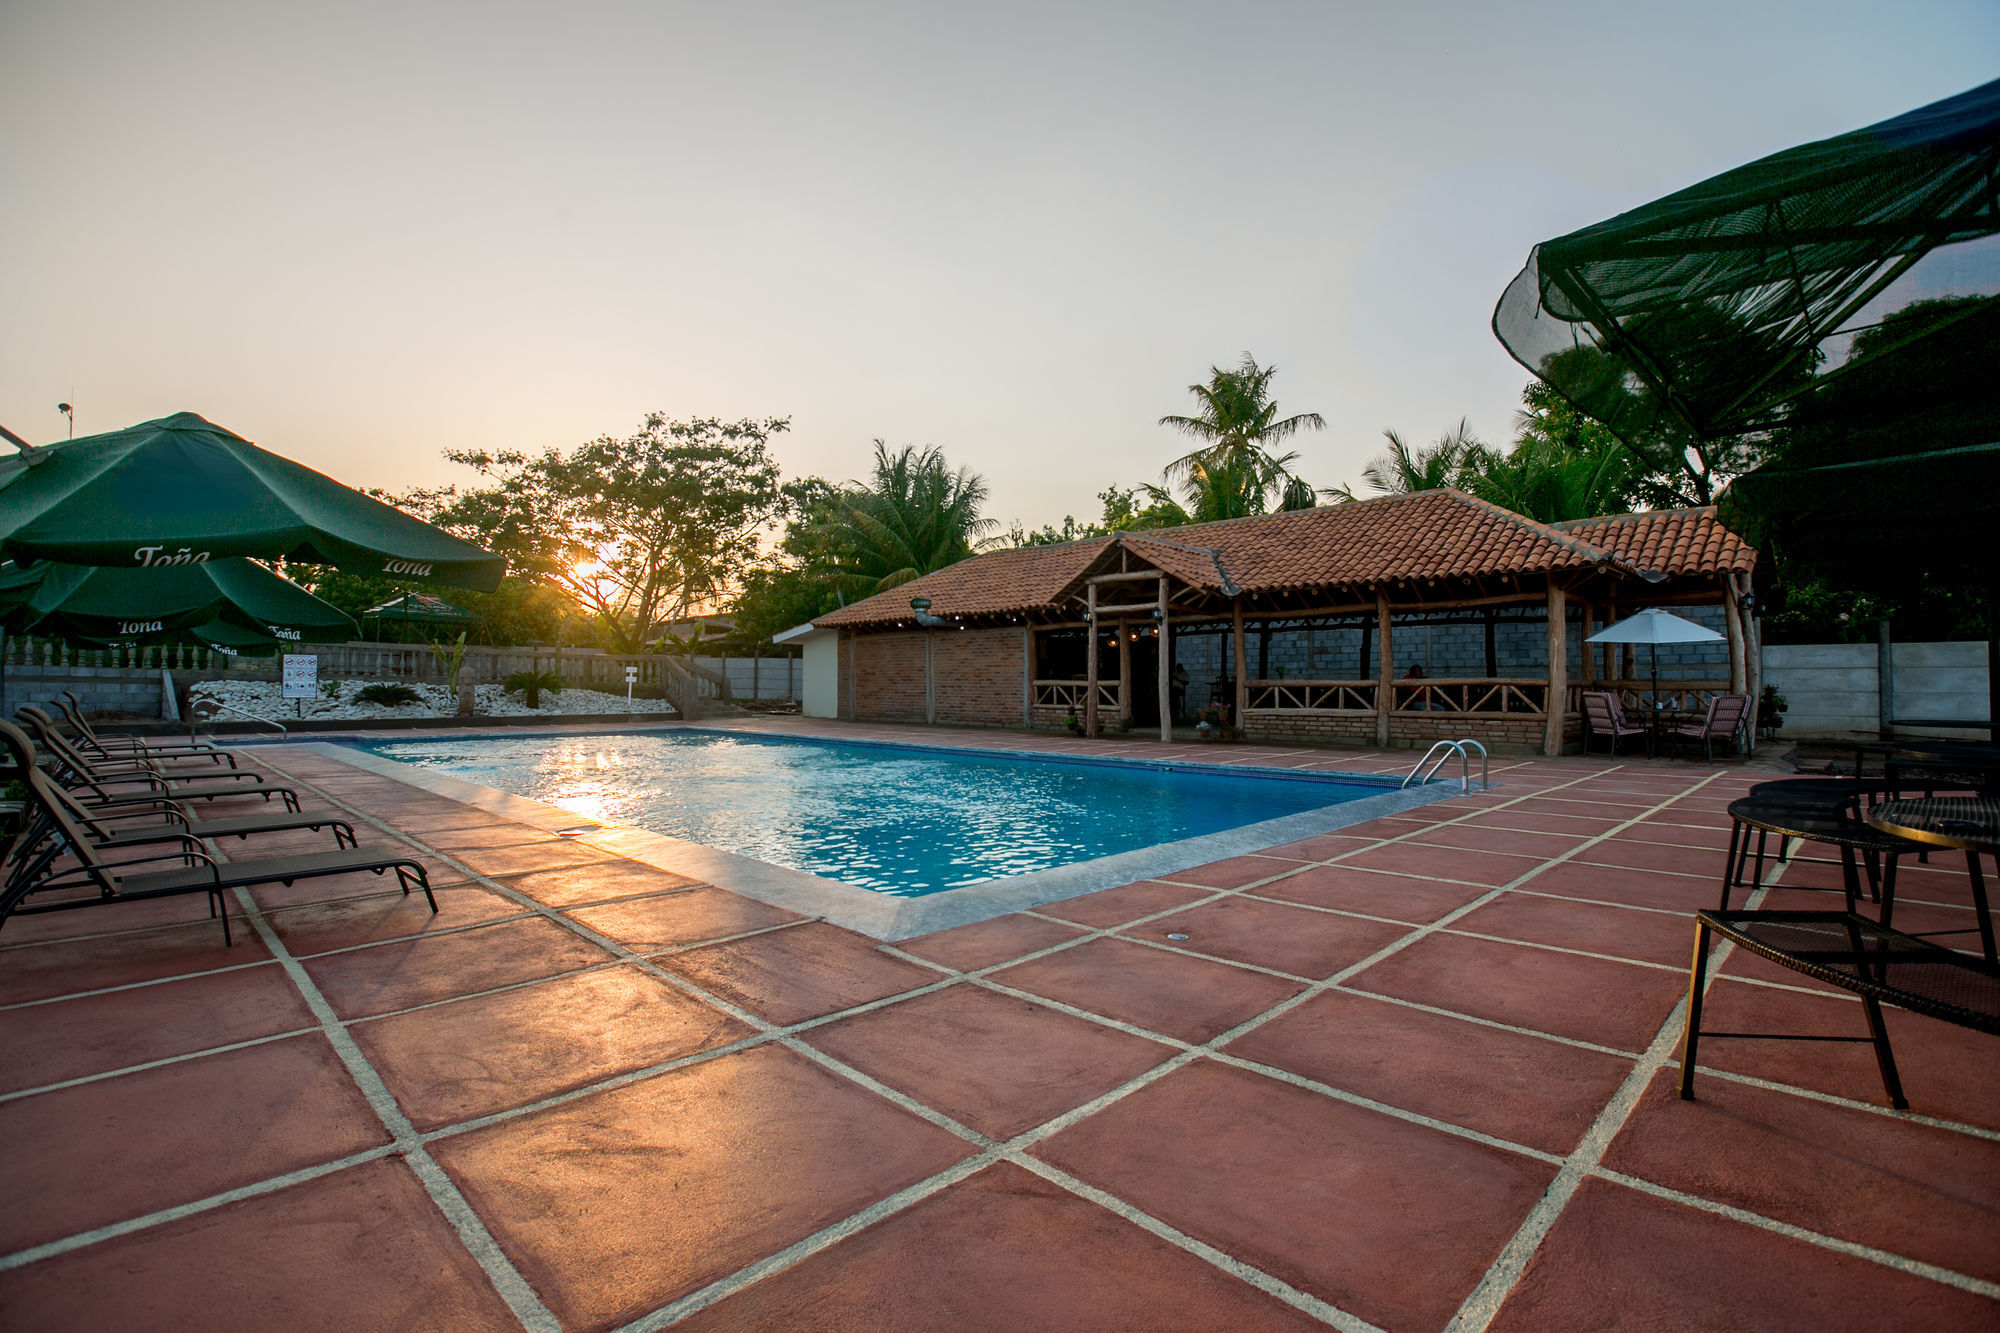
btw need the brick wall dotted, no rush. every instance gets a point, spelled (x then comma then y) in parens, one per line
(888, 675)
(1505, 735)
(978, 677)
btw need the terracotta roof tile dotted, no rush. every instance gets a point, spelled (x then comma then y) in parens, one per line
(997, 583)
(1668, 541)
(1396, 538)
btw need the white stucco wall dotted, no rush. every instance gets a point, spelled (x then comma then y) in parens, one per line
(822, 676)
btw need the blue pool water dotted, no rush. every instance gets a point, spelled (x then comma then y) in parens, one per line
(898, 820)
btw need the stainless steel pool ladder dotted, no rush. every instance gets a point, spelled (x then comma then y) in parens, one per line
(206, 709)
(1440, 754)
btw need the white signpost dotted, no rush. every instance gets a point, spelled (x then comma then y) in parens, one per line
(301, 678)
(631, 678)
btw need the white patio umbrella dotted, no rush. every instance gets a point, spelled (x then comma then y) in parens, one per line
(1654, 627)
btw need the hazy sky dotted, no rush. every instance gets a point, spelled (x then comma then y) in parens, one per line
(361, 234)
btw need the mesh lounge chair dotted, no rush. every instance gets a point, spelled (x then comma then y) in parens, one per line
(115, 880)
(140, 823)
(85, 738)
(1726, 714)
(1604, 718)
(76, 770)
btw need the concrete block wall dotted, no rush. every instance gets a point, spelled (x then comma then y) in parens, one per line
(1832, 690)
(1520, 649)
(102, 689)
(759, 678)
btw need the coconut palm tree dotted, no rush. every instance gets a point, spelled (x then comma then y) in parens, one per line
(914, 515)
(1453, 460)
(1237, 425)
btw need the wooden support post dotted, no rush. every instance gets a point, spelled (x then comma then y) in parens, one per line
(1385, 668)
(1732, 624)
(1242, 666)
(1589, 664)
(1027, 675)
(1090, 670)
(1166, 669)
(1124, 674)
(1753, 660)
(1558, 668)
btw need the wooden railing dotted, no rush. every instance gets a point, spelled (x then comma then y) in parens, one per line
(1690, 696)
(1327, 696)
(1480, 696)
(1071, 694)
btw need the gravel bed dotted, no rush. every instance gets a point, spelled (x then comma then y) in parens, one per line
(265, 698)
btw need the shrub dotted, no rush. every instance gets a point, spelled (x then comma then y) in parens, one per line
(530, 684)
(330, 689)
(386, 693)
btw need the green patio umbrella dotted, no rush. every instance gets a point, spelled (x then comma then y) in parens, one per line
(181, 491)
(1705, 314)
(421, 608)
(237, 601)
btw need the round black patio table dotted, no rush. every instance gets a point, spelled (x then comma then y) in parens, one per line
(1820, 810)
(1967, 823)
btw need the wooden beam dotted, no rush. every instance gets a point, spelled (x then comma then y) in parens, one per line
(1124, 608)
(1131, 577)
(1027, 675)
(1166, 655)
(1385, 671)
(1552, 742)
(1090, 689)
(1242, 667)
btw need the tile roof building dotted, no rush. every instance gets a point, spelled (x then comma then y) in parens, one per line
(1004, 634)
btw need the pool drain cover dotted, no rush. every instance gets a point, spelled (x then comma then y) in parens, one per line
(1176, 937)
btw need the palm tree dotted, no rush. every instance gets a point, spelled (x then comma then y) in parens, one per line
(1237, 424)
(1563, 464)
(1453, 460)
(913, 516)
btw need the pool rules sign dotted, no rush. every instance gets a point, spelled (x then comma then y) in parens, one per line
(300, 675)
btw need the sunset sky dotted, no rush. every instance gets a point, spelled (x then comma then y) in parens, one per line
(360, 234)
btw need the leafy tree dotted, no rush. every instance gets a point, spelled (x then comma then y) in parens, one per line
(637, 532)
(1233, 468)
(912, 516)
(1563, 465)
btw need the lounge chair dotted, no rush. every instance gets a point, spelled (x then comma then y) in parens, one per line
(85, 737)
(1603, 717)
(1726, 715)
(199, 872)
(79, 771)
(143, 821)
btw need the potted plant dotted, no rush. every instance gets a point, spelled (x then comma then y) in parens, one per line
(1072, 722)
(1770, 712)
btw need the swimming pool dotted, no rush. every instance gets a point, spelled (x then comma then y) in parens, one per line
(896, 820)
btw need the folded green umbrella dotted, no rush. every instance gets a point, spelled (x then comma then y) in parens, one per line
(180, 491)
(421, 608)
(239, 603)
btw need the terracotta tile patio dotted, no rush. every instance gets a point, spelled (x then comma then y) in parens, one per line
(1416, 1075)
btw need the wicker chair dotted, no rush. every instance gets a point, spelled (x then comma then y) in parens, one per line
(1603, 717)
(1726, 716)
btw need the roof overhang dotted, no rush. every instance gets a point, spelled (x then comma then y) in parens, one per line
(805, 633)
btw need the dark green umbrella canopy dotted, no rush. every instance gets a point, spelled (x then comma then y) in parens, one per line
(183, 491)
(233, 601)
(1704, 314)
(422, 608)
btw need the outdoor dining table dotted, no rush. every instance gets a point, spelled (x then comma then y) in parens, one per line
(1970, 824)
